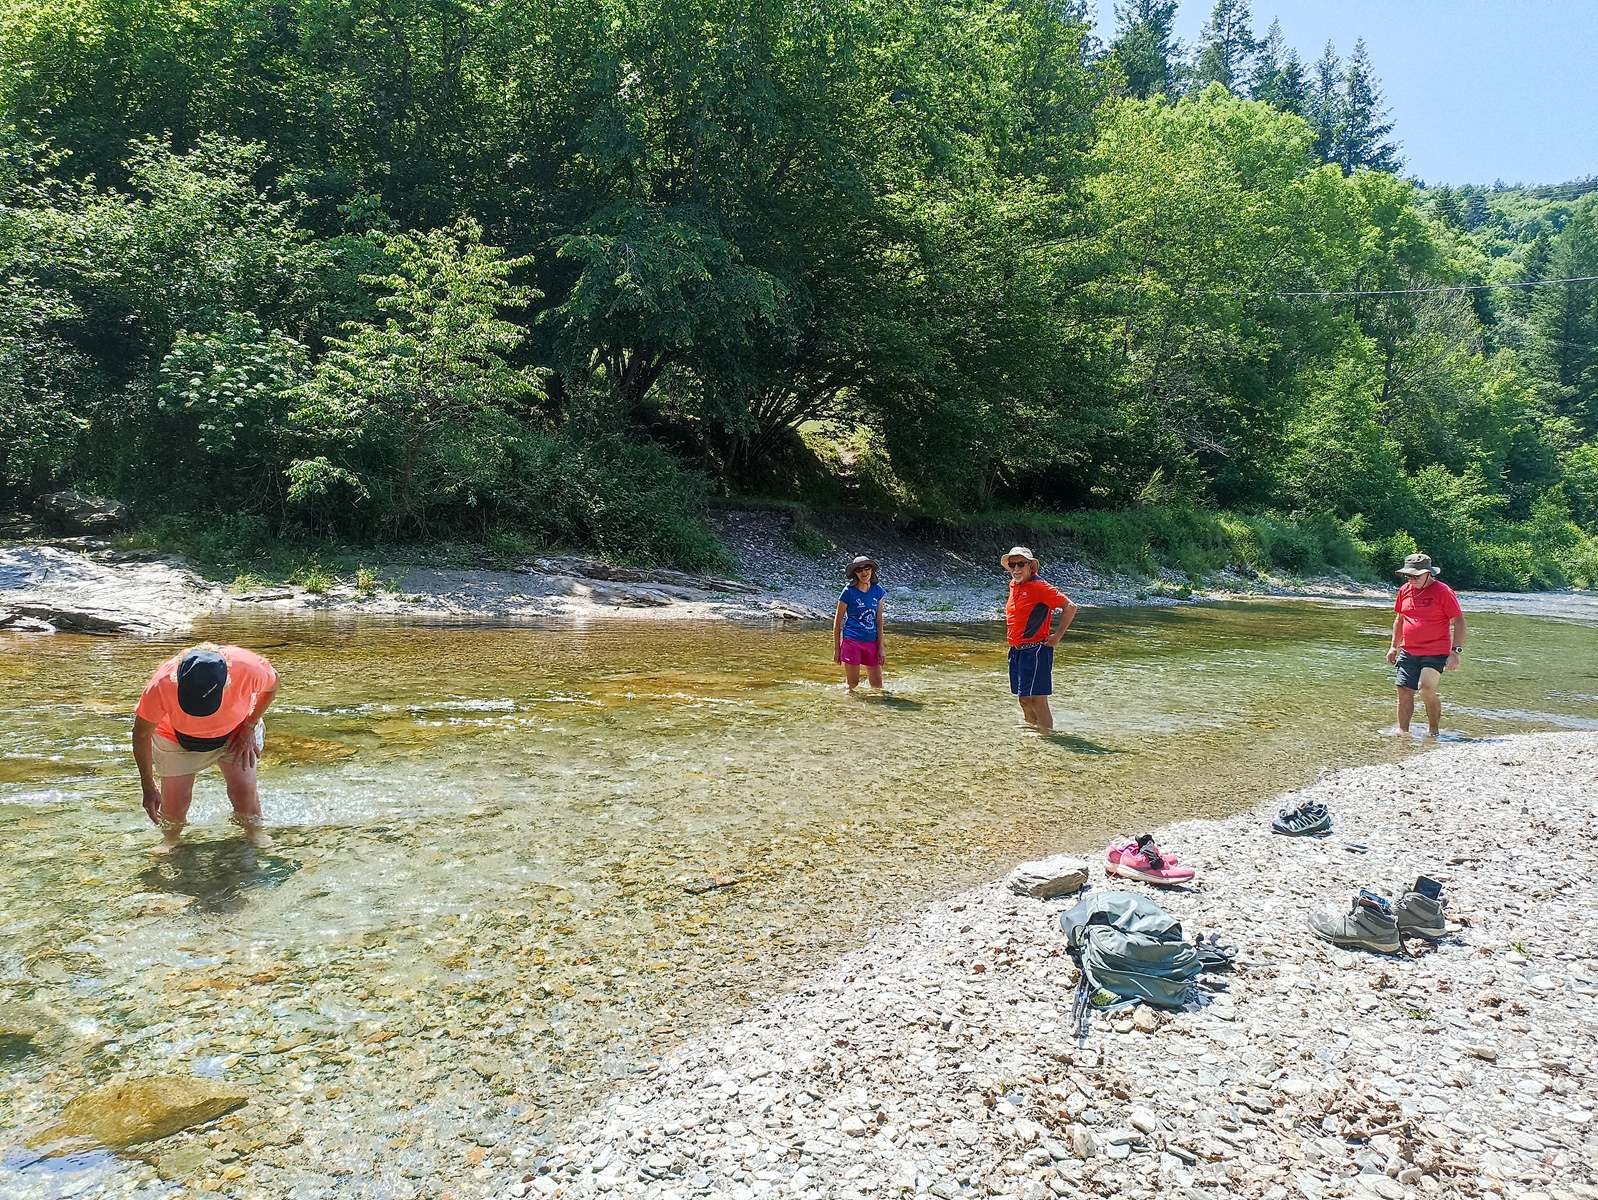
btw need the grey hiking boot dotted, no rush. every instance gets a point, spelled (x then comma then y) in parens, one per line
(1364, 927)
(1420, 916)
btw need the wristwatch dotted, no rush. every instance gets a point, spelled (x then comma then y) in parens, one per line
(1459, 649)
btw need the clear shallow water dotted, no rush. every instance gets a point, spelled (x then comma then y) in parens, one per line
(474, 919)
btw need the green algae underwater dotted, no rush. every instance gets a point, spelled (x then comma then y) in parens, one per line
(515, 864)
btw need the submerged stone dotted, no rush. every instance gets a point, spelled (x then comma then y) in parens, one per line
(142, 1110)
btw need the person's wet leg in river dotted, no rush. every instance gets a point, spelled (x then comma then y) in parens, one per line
(243, 792)
(171, 811)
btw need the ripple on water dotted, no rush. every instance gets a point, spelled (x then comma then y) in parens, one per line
(476, 913)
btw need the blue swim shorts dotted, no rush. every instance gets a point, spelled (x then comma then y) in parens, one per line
(1032, 669)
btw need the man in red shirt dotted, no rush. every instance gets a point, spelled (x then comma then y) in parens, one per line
(203, 708)
(1428, 637)
(1028, 613)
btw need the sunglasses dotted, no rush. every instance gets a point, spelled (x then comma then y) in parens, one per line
(1016, 565)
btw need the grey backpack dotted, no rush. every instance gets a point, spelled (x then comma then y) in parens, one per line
(1131, 947)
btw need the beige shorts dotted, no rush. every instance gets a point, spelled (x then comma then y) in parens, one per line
(172, 759)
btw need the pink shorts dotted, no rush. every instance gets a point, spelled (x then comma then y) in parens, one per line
(864, 654)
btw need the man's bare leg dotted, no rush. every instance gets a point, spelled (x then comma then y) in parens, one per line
(244, 794)
(177, 791)
(1432, 699)
(1045, 718)
(1406, 708)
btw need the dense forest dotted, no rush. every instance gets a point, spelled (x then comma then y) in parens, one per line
(413, 269)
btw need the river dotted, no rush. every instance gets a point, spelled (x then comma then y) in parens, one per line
(482, 909)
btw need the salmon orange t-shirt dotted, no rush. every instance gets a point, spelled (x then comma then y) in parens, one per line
(1027, 612)
(248, 677)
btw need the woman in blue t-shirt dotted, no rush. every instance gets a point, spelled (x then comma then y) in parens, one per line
(857, 625)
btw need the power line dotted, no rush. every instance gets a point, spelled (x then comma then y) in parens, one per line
(1464, 287)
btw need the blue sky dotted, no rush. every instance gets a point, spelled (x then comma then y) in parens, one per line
(1478, 89)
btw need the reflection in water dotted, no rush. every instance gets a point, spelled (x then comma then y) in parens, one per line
(475, 919)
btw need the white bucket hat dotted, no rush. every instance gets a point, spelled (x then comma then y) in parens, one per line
(1019, 552)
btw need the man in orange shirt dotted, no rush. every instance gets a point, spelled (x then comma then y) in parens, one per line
(201, 708)
(1428, 638)
(1028, 614)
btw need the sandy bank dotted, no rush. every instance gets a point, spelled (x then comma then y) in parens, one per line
(939, 1059)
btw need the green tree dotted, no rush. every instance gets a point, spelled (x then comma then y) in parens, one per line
(1279, 74)
(1564, 323)
(1226, 48)
(1361, 140)
(1206, 204)
(1146, 46)
(225, 396)
(1445, 207)
(1326, 103)
(418, 412)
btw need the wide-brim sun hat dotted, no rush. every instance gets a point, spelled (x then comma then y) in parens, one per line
(1417, 565)
(1019, 552)
(859, 563)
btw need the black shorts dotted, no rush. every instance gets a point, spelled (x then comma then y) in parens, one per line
(1411, 665)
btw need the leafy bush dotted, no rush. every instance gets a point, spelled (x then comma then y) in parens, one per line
(626, 499)
(224, 396)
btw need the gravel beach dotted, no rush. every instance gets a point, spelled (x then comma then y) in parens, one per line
(941, 1060)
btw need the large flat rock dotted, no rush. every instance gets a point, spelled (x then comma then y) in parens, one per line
(125, 1114)
(75, 592)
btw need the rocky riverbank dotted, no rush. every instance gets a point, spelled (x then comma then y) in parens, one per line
(941, 1059)
(85, 584)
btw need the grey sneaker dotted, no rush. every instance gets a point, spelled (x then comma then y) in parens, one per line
(1362, 928)
(1420, 916)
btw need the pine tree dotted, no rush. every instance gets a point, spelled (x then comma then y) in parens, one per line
(1445, 207)
(1268, 56)
(1326, 102)
(1226, 48)
(1533, 266)
(1477, 210)
(1279, 74)
(1564, 323)
(1362, 133)
(1146, 46)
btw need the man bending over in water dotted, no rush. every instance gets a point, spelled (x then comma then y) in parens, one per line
(203, 707)
(1428, 638)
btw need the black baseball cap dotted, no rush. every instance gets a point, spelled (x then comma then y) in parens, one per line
(201, 677)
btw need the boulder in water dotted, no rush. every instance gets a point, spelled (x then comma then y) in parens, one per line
(76, 512)
(125, 1114)
(1049, 877)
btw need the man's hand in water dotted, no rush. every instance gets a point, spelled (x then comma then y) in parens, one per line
(152, 803)
(242, 745)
